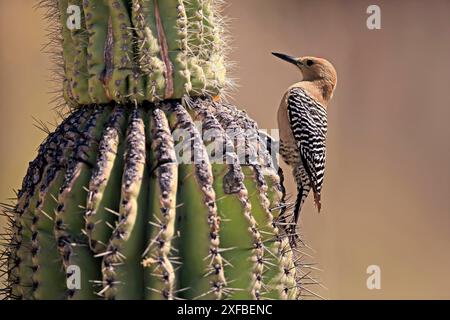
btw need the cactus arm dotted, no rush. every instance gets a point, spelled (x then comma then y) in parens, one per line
(159, 268)
(121, 266)
(97, 20)
(105, 181)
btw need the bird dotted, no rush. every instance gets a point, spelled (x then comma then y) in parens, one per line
(303, 125)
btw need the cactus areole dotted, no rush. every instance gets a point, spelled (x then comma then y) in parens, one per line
(128, 198)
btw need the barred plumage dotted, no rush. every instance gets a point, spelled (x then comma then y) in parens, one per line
(302, 119)
(308, 120)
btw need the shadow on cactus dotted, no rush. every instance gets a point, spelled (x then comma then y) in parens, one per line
(129, 197)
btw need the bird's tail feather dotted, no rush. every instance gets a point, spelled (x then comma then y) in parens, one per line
(302, 193)
(317, 200)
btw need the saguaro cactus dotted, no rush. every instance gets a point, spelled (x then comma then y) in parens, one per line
(130, 193)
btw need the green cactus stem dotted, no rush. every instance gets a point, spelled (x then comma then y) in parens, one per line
(150, 187)
(140, 50)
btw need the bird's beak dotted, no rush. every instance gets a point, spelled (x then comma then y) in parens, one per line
(287, 58)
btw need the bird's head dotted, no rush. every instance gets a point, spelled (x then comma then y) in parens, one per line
(312, 68)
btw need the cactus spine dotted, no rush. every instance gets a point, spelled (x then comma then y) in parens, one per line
(129, 189)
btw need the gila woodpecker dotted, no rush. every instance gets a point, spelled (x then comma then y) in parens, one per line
(302, 120)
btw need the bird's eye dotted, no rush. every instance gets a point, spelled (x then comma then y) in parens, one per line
(309, 63)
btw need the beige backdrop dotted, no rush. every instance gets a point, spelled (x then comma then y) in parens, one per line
(386, 197)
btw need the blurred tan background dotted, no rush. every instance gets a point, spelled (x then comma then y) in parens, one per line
(387, 188)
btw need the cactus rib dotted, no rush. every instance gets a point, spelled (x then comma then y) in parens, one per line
(97, 25)
(69, 218)
(105, 180)
(148, 57)
(160, 271)
(235, 210)
(203, 271)
(122, 258)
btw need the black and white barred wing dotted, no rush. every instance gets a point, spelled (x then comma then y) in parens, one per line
(308, 120)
